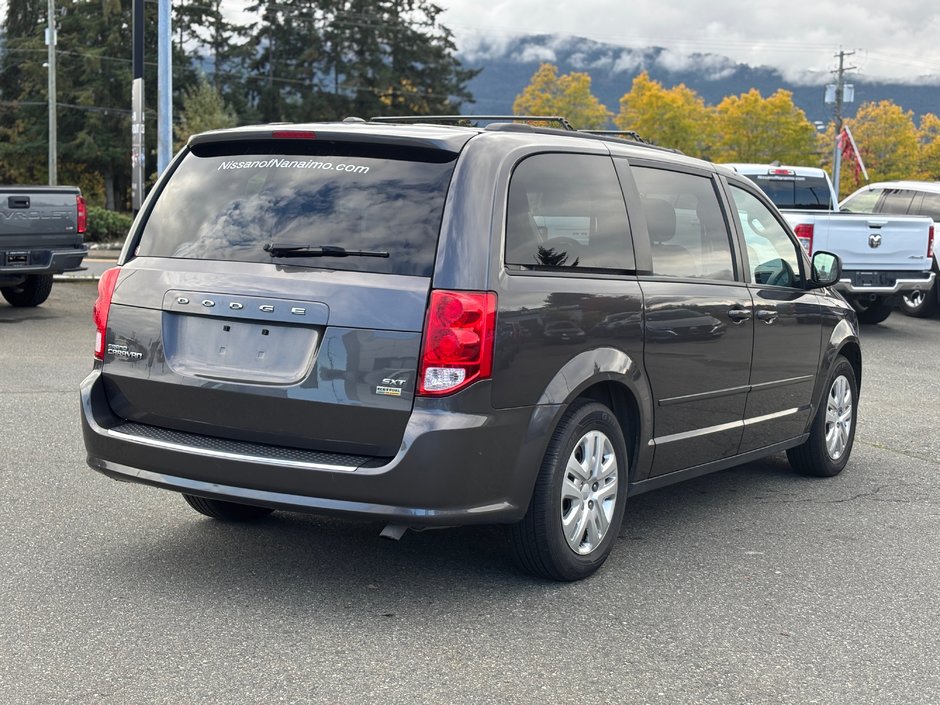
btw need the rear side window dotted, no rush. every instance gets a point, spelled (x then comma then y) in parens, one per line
(930, 206)
(567, 211)
(798, 192)
(688, 234)
(225, 202)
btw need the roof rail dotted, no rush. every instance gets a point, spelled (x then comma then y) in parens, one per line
(633, 135)
(468, 118)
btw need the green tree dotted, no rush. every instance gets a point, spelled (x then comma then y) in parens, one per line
(751, 128)
(568, 96)
(203, 108)
(675, 117)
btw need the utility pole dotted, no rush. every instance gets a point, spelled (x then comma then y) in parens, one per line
(137, 108)
(839, 100)
(53, 137)
(164, 86)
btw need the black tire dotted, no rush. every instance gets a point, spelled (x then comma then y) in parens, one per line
(920, 304)
(539, 542)
(814, 456)
(226, 511)
(873, 312)
(32, 292)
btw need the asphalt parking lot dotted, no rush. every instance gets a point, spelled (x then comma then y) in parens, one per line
(750, 586)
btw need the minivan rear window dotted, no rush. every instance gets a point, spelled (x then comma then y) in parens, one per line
(226, 201)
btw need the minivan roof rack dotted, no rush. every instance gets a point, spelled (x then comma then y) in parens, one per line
(563, 121)
(632, 134)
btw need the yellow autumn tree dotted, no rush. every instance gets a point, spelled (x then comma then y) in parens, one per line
(929, 137)
(674, 117)
(568, 96)
(887, 139)
(751, 128)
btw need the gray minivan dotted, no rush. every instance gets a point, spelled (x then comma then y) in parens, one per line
(438, 325)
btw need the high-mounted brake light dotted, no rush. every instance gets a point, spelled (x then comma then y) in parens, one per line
(103, 308)
(930, 242)
(782, 172)
(82, 220)
(804, 233)
(458, 341)
(294, 135)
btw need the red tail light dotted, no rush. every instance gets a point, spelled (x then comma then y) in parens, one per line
(458, 341)
(930, 242)
(804, 233)
(82, 224)
(103, 308)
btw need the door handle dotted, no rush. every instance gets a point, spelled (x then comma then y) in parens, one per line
(739, 315)
(767, 316)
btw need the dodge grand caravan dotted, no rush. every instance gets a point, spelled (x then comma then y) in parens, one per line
(437, 325)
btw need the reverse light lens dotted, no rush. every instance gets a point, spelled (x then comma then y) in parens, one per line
(458, 341)
(103, 308)
(82, 220)
(804, 233)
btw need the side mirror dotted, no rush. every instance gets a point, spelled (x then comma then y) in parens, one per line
(827, 268)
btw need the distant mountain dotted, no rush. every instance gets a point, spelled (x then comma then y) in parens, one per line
(508, 66)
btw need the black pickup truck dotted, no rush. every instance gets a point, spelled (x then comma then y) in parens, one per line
(41, 229)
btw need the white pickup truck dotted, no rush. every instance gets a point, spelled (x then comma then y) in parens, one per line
(883, 256)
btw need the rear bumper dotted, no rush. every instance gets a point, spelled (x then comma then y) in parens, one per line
(40, 261)
(900, 286)
(452, 468)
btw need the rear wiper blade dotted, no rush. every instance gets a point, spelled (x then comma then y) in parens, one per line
(276, 250)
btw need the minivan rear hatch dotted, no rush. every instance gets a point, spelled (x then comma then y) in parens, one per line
(277, 288)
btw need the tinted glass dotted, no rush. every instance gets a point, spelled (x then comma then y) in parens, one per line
(802, 192)
(930, 206)
(567, 210)
(227, 202)
(863, 202)
(688, 234)
(772, 256)
(897, 201)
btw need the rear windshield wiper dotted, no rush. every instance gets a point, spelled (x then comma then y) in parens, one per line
(276, 250)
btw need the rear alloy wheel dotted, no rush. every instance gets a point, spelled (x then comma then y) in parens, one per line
(32, 292)
(872, 312)
(577, 505)
(826, 451)
(226, 511)
(920, 304)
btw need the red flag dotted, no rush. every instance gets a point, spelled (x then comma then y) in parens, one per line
(851, 155)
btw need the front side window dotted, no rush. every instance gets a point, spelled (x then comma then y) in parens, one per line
(863, 202)
(688, 234)
(228, 201)
(772, 256)
(930, 206)
(566, 211)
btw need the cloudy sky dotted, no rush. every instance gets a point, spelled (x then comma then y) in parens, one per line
(897, 39)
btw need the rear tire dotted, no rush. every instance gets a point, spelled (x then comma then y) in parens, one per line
(577, 505)
(920, 304)
(832, 434)
(32, 292)
(226, 511)
(873, 312)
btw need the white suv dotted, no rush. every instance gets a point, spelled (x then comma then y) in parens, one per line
(899, 198)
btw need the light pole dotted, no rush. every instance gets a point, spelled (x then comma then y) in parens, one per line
(50, 42)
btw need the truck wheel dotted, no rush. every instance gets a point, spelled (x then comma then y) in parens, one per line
(872, 312)
(577, 505)
(226, 511)
(32, 292)
(920, 304)
(832, 434)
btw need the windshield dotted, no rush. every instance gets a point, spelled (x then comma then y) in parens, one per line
(226, 202)
(796, 192)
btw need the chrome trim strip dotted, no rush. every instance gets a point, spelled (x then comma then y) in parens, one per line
(845, 285)
(687, 435)
(781, 383)
(228, 456)
(702, 396)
